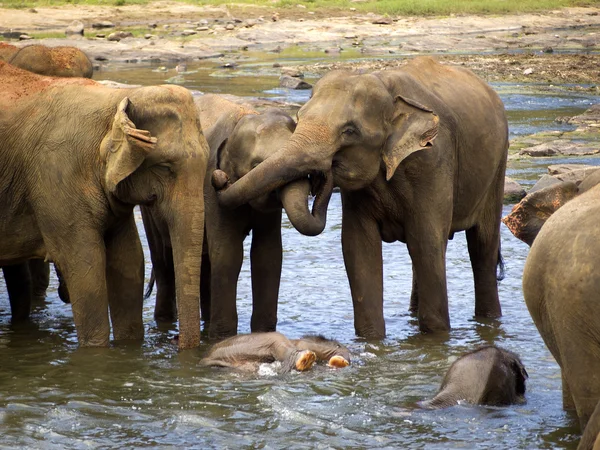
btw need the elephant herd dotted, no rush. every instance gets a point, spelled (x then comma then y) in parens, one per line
(418, 153)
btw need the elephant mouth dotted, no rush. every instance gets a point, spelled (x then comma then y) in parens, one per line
(321, 187)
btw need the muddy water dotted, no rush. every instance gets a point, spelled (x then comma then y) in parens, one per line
(53, 395)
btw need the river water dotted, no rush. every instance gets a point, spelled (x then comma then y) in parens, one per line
(53, 395)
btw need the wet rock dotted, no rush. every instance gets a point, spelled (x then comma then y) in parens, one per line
(152, 25)
(560, 147)
(230, 27)
(228, 65)
(249, 23)
(382, 21)
(202, 23)
(188, 32)
(333, 51)
(558, 169)
(591, 117)
(100, 35)
(548, 49)
(118, 35)
(578, 175)
(75, 27)
(148, 36)
(528, 71)
(513, 191)
(544, 182)
(25, 37)
(293, 82)
(103, 24)
(202, 29)
(292, 72)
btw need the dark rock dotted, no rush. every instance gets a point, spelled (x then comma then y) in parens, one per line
(382, 21)
(103, 24)
(293, 83)
(513, 191)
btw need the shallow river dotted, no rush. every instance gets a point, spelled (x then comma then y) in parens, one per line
(53, 395)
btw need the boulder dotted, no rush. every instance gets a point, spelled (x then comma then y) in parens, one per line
(557, 169)
(544, 182)
(103, 24)
(513, 191)
(75, 27)
(293, 82)
(292, 72)
(117, 36)
(559, 147)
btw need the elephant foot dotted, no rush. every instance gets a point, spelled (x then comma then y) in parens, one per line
(305, 360)
(338, 362)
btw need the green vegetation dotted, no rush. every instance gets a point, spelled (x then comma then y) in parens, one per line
(391, 7)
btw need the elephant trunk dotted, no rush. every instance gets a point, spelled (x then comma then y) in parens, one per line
(294, 197)
(300, 157)
(185, 219)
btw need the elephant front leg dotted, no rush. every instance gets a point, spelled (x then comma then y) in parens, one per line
(361, 246)
(18, 285)
(428, 255)
(125, 281)
(266, 258)
(225, 246)
(414, 295)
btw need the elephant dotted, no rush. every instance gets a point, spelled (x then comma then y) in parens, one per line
(53, 61)
(418, 153)
(7, 51)
(239, 138)
(25, 282)
(527, 217)
(486, 376)
(561, 287)
(247, 351)
(75, 158)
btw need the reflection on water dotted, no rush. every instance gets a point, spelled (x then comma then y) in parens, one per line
(57, 396)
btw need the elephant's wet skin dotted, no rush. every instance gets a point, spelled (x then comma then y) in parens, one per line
(561, 287)
(486, 376)
(52, 61)
(247, 351)
(75, 159)
(419, 153)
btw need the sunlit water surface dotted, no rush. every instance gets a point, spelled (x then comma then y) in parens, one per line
(55, 396)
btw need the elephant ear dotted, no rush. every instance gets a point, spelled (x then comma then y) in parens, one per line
(126, 147)
(414, 127)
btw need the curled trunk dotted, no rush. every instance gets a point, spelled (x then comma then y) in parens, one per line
(294, 197)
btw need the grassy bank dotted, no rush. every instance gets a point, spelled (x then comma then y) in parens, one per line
(390, 7)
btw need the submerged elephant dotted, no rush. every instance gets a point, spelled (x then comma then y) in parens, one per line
(486, 376)
(75, 158)
(247, 351)
(419, 153)
(561, 286)
(239, 139)
(53, 61)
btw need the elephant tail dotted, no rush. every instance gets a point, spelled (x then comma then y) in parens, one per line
(150, 286)
(500, 272)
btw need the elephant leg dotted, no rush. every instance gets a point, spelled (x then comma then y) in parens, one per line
(226, 251)
(18, 285)
(414, 295)
(161, 254)
(483, 241)
(428, 254)
(591, 434)
(361, 247)
(63, 292)
(265, 258)
(205, 275)
(125, 281)
(567, 398)
(83, 266)
(40, 277)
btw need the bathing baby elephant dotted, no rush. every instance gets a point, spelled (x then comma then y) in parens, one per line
(247, 351)
(53, 61)
(486, 376)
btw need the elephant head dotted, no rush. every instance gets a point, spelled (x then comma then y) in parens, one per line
(244, 139)
(352, 126)
(156, 156)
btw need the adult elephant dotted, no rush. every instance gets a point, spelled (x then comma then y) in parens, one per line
(7, 51)
(239, 139)
(25, 282)
(419, 153)
(75, 158)
(53, 61)
(561, 286)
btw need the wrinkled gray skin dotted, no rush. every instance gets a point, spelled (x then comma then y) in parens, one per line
(239, 139)
(527, 217)
(486, 376)
(419, 153)
(247, 351)
(73, 183)
(26, 284)
(561, 286)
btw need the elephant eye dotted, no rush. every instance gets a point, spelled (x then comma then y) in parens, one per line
(350, 130)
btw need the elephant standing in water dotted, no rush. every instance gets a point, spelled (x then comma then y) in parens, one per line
(239, 139)
(75, 158)
(486, 376)
(247, 351)
(561, 286)
(418, 153)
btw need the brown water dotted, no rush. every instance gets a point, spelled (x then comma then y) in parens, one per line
(53, 395)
